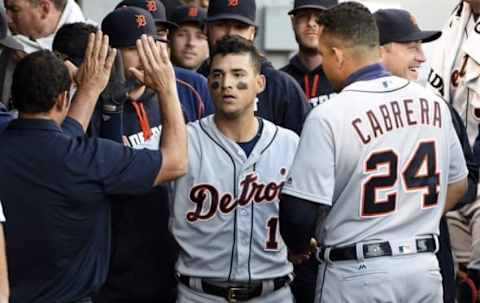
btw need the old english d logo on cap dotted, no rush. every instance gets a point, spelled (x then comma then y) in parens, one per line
(233, 3)
(193, 11)
(152, 6)
(141, 21)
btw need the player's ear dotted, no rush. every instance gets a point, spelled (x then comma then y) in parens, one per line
(45, 8)
(62, 102)
(339, 56)
(261, 83)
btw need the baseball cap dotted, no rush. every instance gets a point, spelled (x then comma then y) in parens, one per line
(314, 4)
(7, 40)
(240, 10)
(155, 7)
(125, 25)
(193, 14)
(398, 25)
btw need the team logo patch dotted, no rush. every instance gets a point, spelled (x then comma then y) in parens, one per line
(141, 21)
(193, 12)
(233, 3)
(152, 6)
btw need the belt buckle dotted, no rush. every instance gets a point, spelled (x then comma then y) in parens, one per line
(233, 294)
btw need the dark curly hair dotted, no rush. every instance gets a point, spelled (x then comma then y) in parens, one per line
(238, 45)
(38, 80)
(352, 23)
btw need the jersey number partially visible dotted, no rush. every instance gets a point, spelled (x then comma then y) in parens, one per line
(420, 174)
(272, 227)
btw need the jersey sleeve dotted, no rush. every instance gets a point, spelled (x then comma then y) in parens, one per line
(457, 166)
(312, 175)
(119, 169)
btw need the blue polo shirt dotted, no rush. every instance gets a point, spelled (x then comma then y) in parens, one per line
(54, 185)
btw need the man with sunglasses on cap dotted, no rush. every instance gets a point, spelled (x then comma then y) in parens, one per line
(306, 65)
(188, 43)
(401, 50)
(282, 102)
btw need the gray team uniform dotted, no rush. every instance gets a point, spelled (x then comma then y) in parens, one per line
(225, 213)
(384, 152)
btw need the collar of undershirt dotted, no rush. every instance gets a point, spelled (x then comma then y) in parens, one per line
(369, 72)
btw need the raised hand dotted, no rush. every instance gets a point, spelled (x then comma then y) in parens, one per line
(157, 73)
(94, 73)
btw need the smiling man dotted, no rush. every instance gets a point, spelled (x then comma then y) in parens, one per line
(401, 42)
(188, 43)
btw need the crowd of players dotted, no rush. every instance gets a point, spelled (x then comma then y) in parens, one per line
(93, 115)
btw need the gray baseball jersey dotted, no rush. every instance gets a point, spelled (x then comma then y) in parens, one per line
(381, 154)
(225, 209)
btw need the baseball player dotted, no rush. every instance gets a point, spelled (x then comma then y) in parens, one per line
(391, 165)
(225, 210)
(306, 65)
(455, 76)
(188, 43)
(402, 54)
(282, 102)
(164, 27)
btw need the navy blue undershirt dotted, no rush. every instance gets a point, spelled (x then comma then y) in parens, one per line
(250, 145)
(298, 217)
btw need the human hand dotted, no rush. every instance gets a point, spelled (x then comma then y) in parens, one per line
(157, 73)
(94, 73)
(298, 258)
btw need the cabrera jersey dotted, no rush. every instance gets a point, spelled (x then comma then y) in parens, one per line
(381, 154)
(225, 209)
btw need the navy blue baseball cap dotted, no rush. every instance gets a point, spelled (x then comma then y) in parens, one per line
(155, 7)
(398, 25)
(125, 25)
(189, 14)
(244, 11)
(312, 4)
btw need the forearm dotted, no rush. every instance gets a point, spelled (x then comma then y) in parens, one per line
(4, 285)
(297, 222)
(455, 192)
(82, 107)
(173, 140)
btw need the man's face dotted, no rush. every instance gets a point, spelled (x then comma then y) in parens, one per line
(24, 18)
(330, 64)
(219, 29)
(307, 30)
(189, 46)
(130, 58)
(234, 85)
(403, 59)
(473, 2)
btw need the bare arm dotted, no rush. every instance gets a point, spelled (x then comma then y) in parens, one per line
(455, 192)
(4, 287)
(92, 78)
(158, 74)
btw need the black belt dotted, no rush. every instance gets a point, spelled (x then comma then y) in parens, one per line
(373, 250)
(237, 294)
